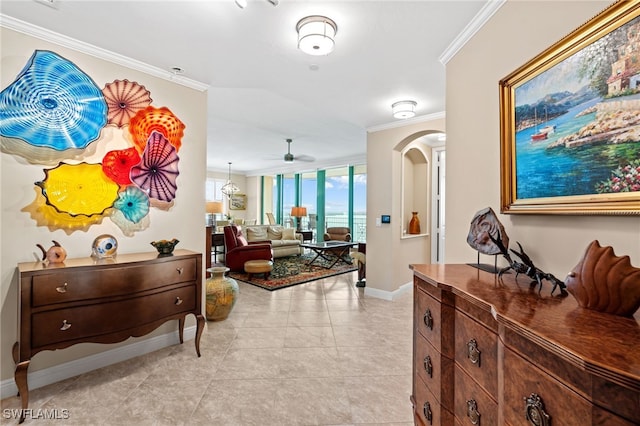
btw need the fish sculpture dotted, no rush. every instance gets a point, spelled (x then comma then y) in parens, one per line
(55, 254)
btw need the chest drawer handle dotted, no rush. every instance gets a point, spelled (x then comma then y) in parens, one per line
(178, 301)
(65, 325)
(472, 412)
(426, 410)
(428, 367)
(428, 319)
(180, 270)
(62, 288)
(473, 352)
(534, 411)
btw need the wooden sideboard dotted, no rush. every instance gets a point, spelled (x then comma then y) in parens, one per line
(495, 352)
(103, 301)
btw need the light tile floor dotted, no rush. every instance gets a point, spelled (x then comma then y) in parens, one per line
(319, 353)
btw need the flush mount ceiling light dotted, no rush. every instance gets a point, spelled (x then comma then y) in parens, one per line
(404, 109)
(316, 35)
(243, 3)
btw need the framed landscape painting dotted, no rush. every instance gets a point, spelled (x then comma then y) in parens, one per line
(570, 122)
(237, 202)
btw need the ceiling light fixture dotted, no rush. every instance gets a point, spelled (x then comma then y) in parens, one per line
(229, 188)
(404, 109)
(316, 35)
(243, 3)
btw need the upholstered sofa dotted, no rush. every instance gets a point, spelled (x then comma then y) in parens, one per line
(284, 241)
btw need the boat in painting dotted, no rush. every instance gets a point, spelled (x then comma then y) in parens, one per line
(544, 132)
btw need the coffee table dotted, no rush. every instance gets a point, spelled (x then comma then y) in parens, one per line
(339, 249)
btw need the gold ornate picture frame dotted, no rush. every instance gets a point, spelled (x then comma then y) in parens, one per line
(238, 202)
(570, 122)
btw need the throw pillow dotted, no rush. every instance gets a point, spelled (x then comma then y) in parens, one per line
(275, 233)
(288, 234)
(256, 234)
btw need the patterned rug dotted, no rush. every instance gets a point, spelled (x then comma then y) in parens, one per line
(293, 270)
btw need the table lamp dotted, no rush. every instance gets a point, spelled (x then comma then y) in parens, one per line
(213, 208)
(298, 213)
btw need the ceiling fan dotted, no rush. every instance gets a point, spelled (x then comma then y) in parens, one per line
(290, 158)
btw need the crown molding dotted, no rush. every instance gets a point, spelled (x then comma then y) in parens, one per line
(472, 27)
(71, 43)
(402, 123)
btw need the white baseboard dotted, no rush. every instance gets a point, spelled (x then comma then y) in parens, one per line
(73, 368)
(388, 295)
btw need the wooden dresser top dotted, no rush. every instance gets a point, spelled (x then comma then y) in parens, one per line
(604, 344)
(118, 260)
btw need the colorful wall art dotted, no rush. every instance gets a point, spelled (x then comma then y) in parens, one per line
(54, 114)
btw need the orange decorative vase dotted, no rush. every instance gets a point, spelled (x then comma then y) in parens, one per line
(414, 224)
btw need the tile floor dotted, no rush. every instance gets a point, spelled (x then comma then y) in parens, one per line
(319, 353)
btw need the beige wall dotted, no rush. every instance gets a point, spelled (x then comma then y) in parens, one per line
(20, 234)
(388, 254)
(516, 33)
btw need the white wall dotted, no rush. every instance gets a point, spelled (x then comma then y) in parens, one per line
(388, 254)
(20, 234)
(517, 32)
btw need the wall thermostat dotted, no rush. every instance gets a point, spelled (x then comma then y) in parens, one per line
(385, 218)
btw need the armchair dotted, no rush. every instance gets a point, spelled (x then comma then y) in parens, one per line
(238, 250)
(338, 233)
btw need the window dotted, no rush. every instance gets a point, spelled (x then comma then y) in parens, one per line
(213, 189)
(336, 202)
(309, 199)
(359, 228)
(288, 198)
(333, 197)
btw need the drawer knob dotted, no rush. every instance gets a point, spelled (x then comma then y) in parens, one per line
(65, 325)
(534, 411)
(178, 301)
(473, 353)
(62, 288)
(428, 319)
(180, 270)
(472, 412)
(428, 367)
(426, 410)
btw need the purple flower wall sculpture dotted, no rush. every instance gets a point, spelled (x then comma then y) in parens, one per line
(124, 99)
(157, 172)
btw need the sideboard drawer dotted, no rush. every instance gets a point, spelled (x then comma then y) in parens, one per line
(435, 322)
(85, 322)
(435, 371)
(92, 283)
(477, 352)
(428, 409)
(521, 379)
(473, 405)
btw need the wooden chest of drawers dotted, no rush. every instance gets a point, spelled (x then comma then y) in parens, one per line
(103, 301)
(489, 352)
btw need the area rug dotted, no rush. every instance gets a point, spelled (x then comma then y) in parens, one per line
(293, 270)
